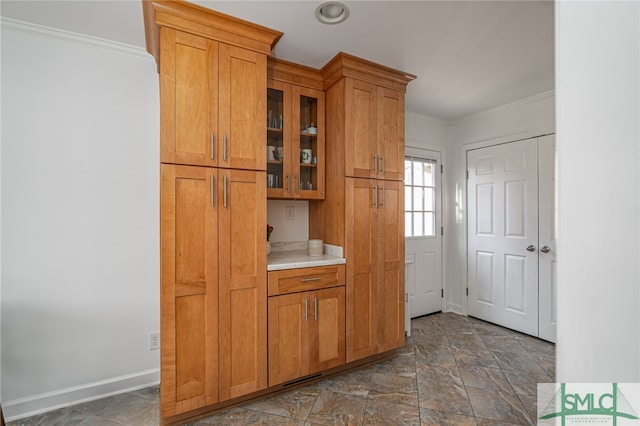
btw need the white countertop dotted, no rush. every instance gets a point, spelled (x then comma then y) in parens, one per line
(279, 260)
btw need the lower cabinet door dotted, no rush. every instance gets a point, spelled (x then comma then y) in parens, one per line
(327, 329)
(188, 289)
(288, 337)
(242, 257)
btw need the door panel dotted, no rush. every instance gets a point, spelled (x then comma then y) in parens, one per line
(503, 222)
(548, 236)
(243, 282)
(360, 128)
(390, 134)
(243, 109)
(327, 329)
(189, 289)
(188, 98)
(361, 246)
(288, 337)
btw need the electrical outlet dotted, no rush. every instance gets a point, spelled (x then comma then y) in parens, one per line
(154, 341)
(289, 213)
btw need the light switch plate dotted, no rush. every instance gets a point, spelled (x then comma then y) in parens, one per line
(289, 213)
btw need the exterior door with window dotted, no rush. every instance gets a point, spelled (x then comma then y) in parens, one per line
(423, 239)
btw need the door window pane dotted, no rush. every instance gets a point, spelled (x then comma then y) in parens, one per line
(420, 197)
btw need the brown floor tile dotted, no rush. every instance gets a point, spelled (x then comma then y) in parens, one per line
(453, 370)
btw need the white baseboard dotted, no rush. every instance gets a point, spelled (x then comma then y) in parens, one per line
(455, 308)
(38, 404)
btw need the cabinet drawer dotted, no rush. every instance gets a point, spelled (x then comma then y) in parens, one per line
(305, 279)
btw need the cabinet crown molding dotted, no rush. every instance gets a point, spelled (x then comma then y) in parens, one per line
(289, 72)
(204, 22)
(346, 65)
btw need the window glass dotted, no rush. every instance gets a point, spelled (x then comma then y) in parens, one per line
(420, 197)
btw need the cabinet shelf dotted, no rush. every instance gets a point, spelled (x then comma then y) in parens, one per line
(308, 165)
(274, 129)
(309, 135)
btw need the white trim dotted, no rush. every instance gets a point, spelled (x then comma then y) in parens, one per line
(44, 31)
(37, 404)
(427, 118)
(455, 308)
(510, 105)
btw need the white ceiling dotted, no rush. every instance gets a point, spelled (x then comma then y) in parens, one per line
(469, 56)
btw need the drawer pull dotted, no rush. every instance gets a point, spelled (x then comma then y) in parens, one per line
(305, 280)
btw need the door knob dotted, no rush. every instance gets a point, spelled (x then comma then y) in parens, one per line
(545, 249)
(531, 248)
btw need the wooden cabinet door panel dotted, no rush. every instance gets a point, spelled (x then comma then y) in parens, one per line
(390, 307)
(243, 282)
(243, 108)
(390, 134)
(189, 291)
(188, 98)
(327, 329)
(288, 337)
(361, 252)
(360, 128)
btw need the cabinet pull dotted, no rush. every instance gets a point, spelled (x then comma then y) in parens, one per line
(224, 191)
(375, 163)
(297, 183)
(306, 310)
(224, 148)
(213, 138)
(212, 189)
(382, 164)
(288, 183)
(306, 280)
(315, 308)
(375, 197)
(381, 205)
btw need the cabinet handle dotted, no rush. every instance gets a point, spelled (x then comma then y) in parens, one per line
(315, 308)
(306, 280)
(306, 310)
(212, 189)
(224, 148)
(213, 138)
(382, 164)
(375, 163)
(288, 183)
(375, 197)
(224, 192)
(297, 183)
(381, 205)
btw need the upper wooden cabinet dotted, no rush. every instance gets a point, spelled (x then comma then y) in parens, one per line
(212, 85)
(366, 105)
(295, 132)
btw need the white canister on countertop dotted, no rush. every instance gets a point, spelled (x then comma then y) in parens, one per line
(315, 248)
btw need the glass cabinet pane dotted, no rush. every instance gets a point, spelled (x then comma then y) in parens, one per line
(275, 141)
(308, 155)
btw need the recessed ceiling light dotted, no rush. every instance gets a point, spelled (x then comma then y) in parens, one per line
(331, 12)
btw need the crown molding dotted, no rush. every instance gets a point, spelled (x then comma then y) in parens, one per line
(50, 32)
(523, 101)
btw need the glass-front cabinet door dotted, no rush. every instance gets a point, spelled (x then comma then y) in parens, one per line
(295, 141)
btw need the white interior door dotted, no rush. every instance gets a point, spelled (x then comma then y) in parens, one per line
(423, 239)
(502, 194)
(548, 235)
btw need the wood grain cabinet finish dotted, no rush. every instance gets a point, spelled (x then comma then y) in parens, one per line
(212, 99)
(213, 286)
(363, 207)
(306, 333)
(306, 328)
(295, 93)
(189, 289)
(213, 307)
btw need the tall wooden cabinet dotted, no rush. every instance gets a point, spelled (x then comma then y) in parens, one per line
(364, 201)
(213, 305)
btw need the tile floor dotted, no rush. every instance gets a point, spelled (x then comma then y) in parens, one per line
(454, 370)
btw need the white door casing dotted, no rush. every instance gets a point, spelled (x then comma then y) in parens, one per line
(548, 235)
(423, 244)
(502, 194)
